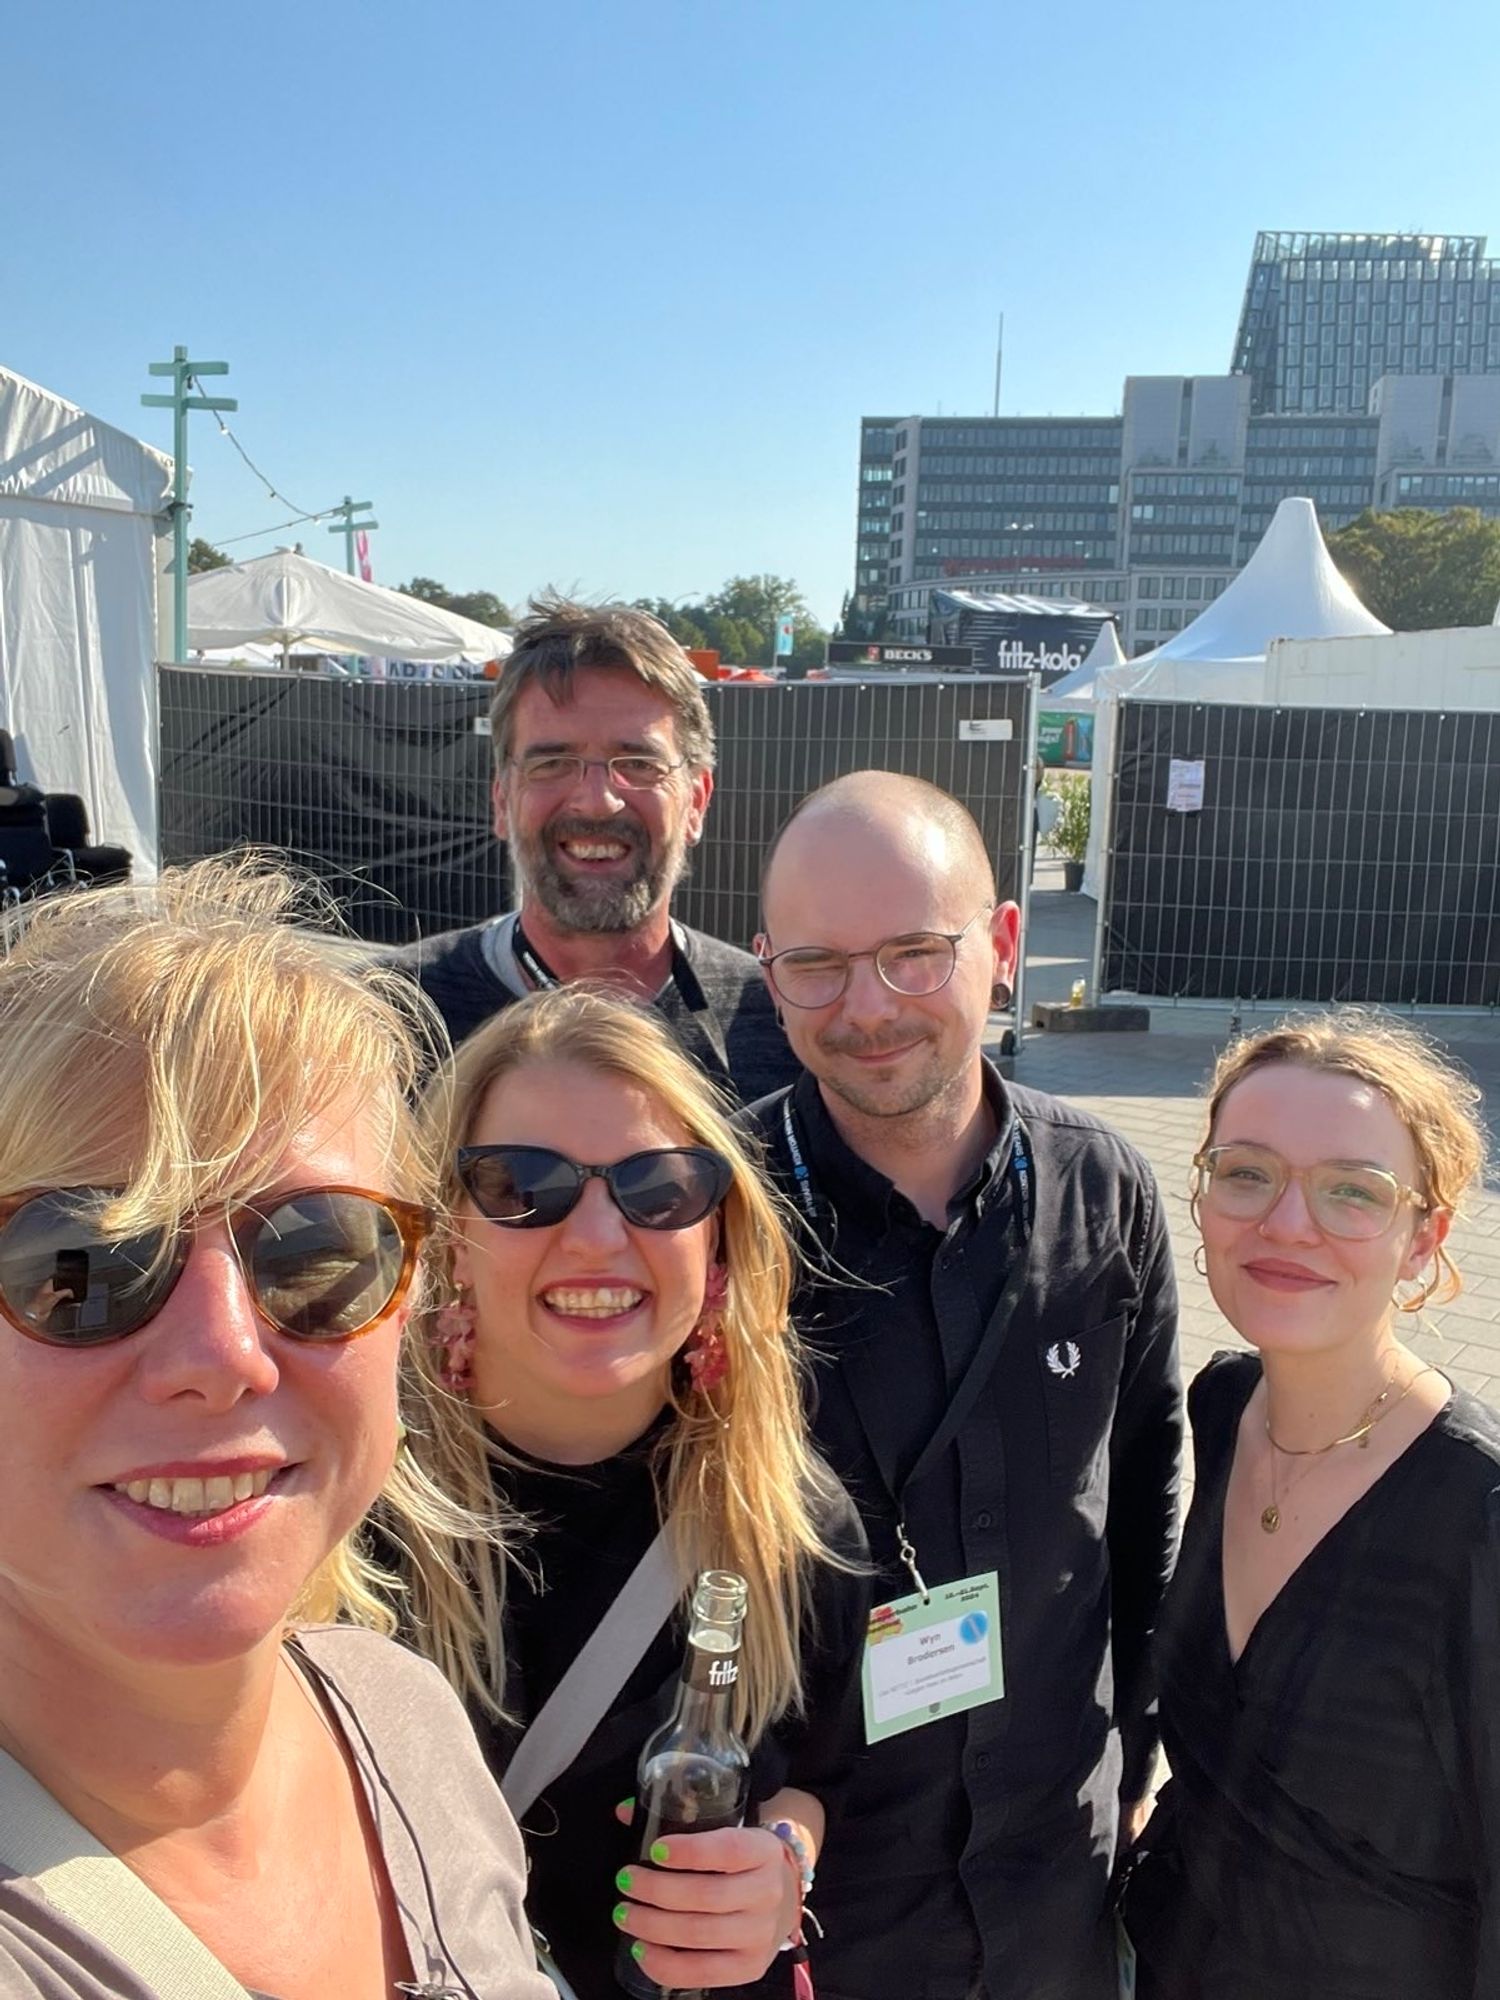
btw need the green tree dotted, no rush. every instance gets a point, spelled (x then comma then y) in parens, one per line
(203, 555)
(738, 621)
(481, 605)
(1416, 570)
(757, 603)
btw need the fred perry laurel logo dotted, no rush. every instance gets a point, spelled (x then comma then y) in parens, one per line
(1064, 1358)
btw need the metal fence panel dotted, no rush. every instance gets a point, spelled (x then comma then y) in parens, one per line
(383, 788)
(1340, 855)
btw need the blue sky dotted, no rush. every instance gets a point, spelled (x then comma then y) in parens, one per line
(596, 295)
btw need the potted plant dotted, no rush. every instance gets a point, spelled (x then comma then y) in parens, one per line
(1069, 837)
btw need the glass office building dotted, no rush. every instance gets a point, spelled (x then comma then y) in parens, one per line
(1367, 374)
(1325, 317)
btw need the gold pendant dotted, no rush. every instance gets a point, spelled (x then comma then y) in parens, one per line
(1270, 1519)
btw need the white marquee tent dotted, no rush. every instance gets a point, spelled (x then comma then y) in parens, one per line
(1076, 689)
(285, 599)
(1289, 589)
(84, 544)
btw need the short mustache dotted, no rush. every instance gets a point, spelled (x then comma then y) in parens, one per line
(873, 1045)
(630, 832)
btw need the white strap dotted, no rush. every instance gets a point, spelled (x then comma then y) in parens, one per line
(580, 1701)
(97, 1892)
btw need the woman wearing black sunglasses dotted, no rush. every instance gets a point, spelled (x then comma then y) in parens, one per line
(1329, 1648)
(213, 1200)
(618, 1356)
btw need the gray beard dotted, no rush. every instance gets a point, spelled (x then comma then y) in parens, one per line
(597, 908)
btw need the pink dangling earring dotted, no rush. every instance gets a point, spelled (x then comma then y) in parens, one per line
(706, 1353)
(453, 1344)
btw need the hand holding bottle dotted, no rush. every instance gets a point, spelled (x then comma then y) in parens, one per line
(713, 1910)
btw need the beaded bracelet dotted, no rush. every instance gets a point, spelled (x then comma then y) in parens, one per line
(799, 1847)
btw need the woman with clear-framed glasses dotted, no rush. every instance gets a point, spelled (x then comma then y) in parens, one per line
(1329, 1648)
(617, 1360)
(219, 1778)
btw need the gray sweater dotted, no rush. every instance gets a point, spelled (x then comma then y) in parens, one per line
(716, 1003)
(421, 1753)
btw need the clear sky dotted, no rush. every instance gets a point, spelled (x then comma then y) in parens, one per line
(595, 294)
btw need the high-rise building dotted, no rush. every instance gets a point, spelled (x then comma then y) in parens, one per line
(1326, 316)
(1367, 375)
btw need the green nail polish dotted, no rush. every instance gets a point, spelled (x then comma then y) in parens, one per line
(622, 1881)
(659, 1853)
(637, 1951)
(621, 1912)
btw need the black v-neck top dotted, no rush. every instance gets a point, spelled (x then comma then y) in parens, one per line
(1332, 1829)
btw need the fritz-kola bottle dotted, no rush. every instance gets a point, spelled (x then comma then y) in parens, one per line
(694, 1773)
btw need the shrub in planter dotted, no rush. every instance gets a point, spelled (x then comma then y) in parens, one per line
(1069, 838)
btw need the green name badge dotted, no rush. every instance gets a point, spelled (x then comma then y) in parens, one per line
(924, 1661)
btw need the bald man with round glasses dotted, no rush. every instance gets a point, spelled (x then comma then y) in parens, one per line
(1000, 1393)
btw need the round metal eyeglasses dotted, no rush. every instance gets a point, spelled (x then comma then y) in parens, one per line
(916, 963)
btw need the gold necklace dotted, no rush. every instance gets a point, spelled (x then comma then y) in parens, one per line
(1270, 1519)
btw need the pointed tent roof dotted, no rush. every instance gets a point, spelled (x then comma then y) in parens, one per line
(1289, 589)
(1078, 685)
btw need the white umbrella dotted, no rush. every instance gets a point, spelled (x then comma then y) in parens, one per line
(287, 600)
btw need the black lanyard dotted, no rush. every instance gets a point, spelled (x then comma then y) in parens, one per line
(698, 1030)
(982, 1362)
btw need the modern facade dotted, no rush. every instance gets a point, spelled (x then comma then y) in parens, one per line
(1325, 317)
(1367, 374)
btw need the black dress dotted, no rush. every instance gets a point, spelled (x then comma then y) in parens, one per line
(592, 1524)
(1332, 1828)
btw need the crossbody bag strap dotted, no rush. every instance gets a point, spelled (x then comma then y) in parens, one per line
(96, 1891)
(580, 1701)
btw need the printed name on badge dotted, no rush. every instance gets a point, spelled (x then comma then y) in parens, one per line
(925, 1661)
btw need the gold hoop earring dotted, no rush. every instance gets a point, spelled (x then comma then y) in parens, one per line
(1200, 1261)
(1425, 1288)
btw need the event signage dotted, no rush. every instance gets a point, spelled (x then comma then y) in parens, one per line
(855, 652)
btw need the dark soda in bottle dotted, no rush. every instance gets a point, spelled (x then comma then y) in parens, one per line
(694, 1773)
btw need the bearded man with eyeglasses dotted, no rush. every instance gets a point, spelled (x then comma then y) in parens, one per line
(604, 762)
(998, 1390)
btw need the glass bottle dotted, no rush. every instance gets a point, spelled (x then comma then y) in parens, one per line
(694, 1772)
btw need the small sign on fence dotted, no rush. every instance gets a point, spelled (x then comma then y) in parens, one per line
(1185, 785)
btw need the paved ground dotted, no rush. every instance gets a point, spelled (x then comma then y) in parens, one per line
(1148, 1086)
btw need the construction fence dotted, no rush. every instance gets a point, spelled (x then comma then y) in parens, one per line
(383, 788)
(1324, 855)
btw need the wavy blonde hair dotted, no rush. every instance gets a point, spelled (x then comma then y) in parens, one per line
(172, 1038)
(1435, 1101)
(736, 1475)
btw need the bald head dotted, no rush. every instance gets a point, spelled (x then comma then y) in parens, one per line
(889, 818)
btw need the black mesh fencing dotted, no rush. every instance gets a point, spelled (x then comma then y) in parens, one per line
(1339, 855)
(382, 788)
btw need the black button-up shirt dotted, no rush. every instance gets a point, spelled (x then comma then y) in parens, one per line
(980, 1845)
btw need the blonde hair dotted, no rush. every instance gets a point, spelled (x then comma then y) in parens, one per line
(735, 1473)
(1434, 1100)
(174, 1037)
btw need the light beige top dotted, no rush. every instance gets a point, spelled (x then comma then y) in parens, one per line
(421, 1753)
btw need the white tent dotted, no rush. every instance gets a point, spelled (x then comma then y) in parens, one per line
(1289, 589)
(84, 543)
(1076, 689)
(285, 599)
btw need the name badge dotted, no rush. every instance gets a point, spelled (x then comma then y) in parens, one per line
(925, 1661)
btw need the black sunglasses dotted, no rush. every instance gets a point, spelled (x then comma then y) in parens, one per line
(533, 1187)
(322, 1264)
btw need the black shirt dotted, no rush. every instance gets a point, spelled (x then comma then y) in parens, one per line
(1332, 1830)
(592, 1525)
(983, 1842)
(716, 1003)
